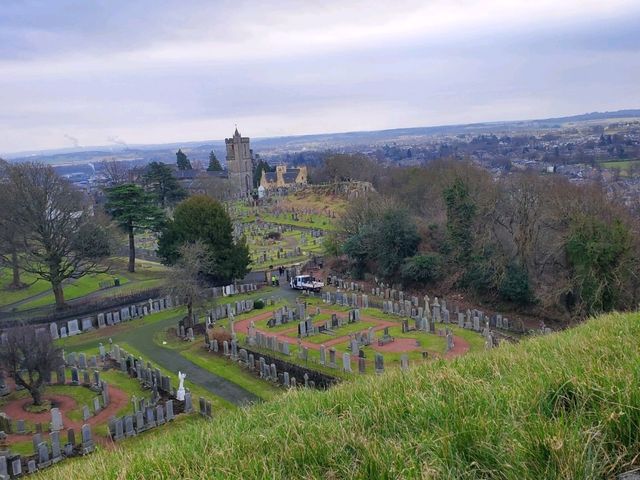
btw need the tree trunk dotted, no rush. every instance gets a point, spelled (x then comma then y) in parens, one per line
(58, 293)
(132, 250)
(190, 313)
(16, 271)
(36, 394)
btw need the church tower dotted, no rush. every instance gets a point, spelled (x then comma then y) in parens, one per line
(240, 164)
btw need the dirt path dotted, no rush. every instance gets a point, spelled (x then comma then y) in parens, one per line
(118, 400)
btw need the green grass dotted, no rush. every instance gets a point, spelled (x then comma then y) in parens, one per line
(231, 371)
(565, 406)
(35, 287)
(75, 289)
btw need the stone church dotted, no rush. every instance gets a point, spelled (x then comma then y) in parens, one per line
(240, 164)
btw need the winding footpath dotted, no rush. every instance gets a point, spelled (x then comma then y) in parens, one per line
(141, 339)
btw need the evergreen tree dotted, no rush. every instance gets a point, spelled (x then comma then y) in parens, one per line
(183, 160)
(165, 187)
(214, 164)
(200, 218)
(133, 209)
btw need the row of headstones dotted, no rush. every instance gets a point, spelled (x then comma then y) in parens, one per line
(233, 289)
(46, 453)
(400, 304)
(228, 309)
(270, 342)
(412, 308)
(147, 375)
(343, 284)
(285, 315)
(345, 299)
(145, 418)
(75, 326)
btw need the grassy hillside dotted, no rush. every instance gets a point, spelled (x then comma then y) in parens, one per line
(561, 406)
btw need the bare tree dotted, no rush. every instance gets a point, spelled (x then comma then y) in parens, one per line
(10, 244)
(186, 277)
(116, 172)
(29, 355)
(59, 236)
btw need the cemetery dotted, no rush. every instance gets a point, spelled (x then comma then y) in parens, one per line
(105, 395)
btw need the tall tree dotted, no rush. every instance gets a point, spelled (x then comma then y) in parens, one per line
(29, 355)
(159, 178)
(182, 160)
(60, 236)
(186, 277)
(200, 218)
(10, 241)
(461, 211)
(134, 210)
(214, 164)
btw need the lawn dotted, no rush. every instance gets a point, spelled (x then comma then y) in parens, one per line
(75, 289)
(35, 287)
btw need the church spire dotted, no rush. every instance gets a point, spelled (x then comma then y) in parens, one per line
(237, 133)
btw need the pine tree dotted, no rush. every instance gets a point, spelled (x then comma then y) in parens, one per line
(183, 160)
(214, 164)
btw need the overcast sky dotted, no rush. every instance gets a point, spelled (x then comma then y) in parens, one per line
(153, 71)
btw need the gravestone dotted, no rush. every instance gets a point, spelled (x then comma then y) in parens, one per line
(404, 361)
(87, 324)
(86, 415)
(53, 330)
(361, 365)
(332, 357)
(160, 415)
(87, 441)
(72, 327)
(129, 431)
(56, 420)
(188, 405)
(379, 363)
(346, 362)
(169, 408)
(43, 455)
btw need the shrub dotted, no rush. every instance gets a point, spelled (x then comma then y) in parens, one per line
(514, 286)
(258, 304)
(422, 269)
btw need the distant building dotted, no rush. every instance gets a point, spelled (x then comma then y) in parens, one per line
(240, 164)
(284, 178)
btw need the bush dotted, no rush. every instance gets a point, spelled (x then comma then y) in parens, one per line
(514, 286)
(273, 236)
(422, 269)
(258, 304)
(479, 275)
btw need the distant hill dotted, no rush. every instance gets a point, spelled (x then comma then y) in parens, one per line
(565, 405)
(200, 150)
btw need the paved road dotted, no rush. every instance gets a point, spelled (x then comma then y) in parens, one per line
(142, 340)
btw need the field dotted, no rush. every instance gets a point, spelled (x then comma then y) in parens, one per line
(624, 166)
(566, 405)
(37, 295)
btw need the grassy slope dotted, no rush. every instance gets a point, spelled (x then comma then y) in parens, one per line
(561, 406)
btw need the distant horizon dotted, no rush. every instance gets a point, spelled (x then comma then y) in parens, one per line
(146, 72)
(122, 146)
